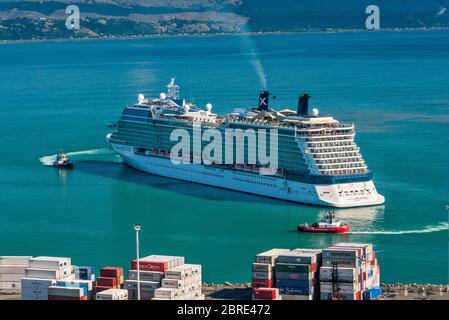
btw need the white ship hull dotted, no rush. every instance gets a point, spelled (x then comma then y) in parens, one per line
(343, 195)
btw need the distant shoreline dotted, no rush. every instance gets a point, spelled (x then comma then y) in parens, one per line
(257, 33)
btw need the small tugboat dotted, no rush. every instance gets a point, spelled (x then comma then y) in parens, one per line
(328, 224)
(62, 161)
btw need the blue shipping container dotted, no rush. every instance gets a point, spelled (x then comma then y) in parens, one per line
(296, 291)
(294, 283)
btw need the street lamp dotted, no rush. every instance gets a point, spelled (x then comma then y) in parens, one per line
(137, 229)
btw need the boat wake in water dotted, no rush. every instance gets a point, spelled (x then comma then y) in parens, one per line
(429, 229)
(48, 160)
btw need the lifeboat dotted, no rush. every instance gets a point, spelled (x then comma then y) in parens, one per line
(329, 224)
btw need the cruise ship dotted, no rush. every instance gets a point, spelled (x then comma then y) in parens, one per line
(317, 160)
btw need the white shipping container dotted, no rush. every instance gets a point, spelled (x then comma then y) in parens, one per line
(112, 294)
(144, 285)
(54, 263)
(12, 269)
(344, 288)
(11, 277)
(344, 274)
(270, 256)
(367, 246)
(76, 283)
(166, 293)
(9, 285)
(262, 275)
(179, 272)
(262, 267)
(47, 273)
(172, 283)
(14, 260)
(146, 275)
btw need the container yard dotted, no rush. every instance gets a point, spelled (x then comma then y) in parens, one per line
(344, 271)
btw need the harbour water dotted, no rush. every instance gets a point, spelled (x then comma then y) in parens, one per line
(58, 95)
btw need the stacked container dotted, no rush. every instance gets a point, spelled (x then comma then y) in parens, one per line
(110, 278)
(42, 273)
(263, 268)
(12, 270)
(183, 282)
(152, 271)
(350, 269)
(296, 274)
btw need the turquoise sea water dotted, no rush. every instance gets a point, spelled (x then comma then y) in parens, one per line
(393, 86)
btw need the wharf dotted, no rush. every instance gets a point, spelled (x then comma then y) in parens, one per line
(230, 291)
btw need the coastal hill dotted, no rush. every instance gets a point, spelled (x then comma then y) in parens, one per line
(43, 19)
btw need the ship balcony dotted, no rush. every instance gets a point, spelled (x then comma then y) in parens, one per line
(335, 172)
(331, 144)
(349, 137)
(337, 155)
(331, 150)
(340, 161)
(324, 133)
(330, 168)
(321, 126)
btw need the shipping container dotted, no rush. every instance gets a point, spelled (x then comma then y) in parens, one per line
(11, 277)
(166, 293)
(295, 283)
(54, 263)
(265, 294)
(48, 273)
(14, 260)
(146, 275)
(349, 275)
(110, 282)
(295, 275)
(257, 283)
(262, 275)
(172, 283)
(112, 294)
(262, 267)
(11, 269)
(343, 288)
(144, 285)
(297, 257)
(84, 273)
(66, 291)
(296, 291)
(270, 256)
(297, 297)
(295, 268)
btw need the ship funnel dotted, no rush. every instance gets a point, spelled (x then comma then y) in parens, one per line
(303, 104)
(263, 100)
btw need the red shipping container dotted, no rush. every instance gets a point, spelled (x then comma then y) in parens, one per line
(313, 267)
(259, 283)
(106, 281)
(147, 265)
(101, 288)
(265, 293)
(358, 295)
(111, 272)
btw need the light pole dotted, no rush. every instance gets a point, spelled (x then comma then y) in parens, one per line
(137, 229)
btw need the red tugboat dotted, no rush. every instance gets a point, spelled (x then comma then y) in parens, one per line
(328, 224)
(62, 161)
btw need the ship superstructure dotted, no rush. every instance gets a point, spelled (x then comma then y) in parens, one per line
(317, 159)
